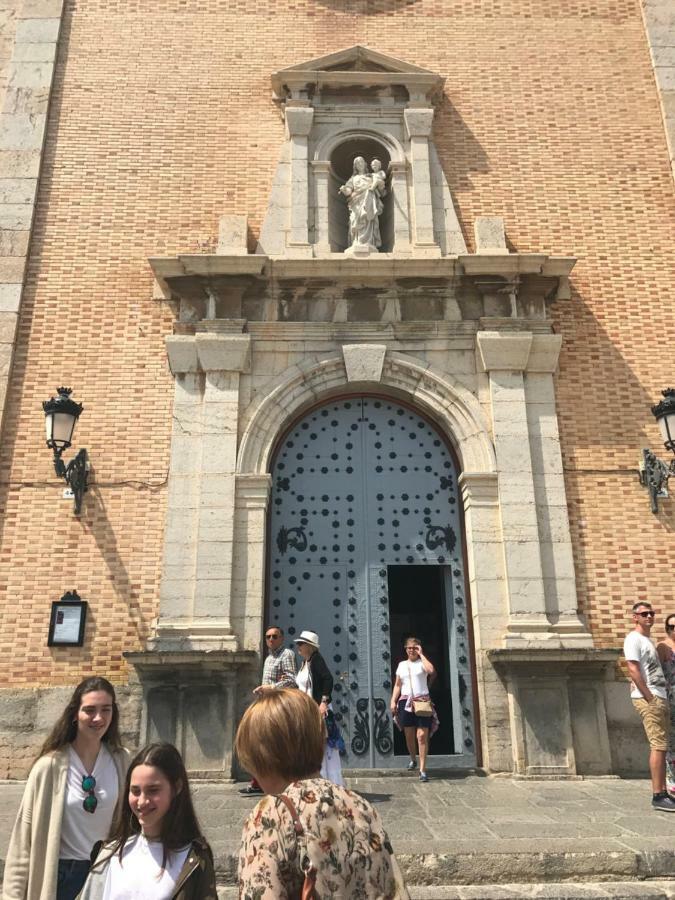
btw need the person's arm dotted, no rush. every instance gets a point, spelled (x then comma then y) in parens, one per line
(15, 881)
(395, 694)
(663, 652)
(321, 676)
(287, 663)
(635, 673)
(428, 667)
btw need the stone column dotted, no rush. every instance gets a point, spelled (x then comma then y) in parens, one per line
(195, 592)
(418, 124)
(399, 190)
(299, 123)
(321, 170)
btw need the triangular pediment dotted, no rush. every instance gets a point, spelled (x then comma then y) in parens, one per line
(355, 65)
(356, 59)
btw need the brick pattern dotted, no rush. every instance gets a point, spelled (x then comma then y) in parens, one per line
(162, 121)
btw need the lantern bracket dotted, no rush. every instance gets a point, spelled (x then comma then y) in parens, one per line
(654, 475)
(75, 474)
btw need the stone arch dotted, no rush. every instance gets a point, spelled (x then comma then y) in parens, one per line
(450, 404)
(327, 145)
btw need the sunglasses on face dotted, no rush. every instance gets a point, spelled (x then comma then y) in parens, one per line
(646, 613)
(272, 637)
(670, 627)
(90, 802)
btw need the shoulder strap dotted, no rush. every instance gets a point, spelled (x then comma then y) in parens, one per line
(290, 806)
(95, 850)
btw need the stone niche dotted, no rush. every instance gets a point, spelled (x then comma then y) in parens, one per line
(358, 102)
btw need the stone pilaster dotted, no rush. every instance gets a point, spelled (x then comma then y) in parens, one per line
(321, 170)
(195, 592)
(418, 124)
(252, 493)
(527, 448)
(23, 126)
(299, 123)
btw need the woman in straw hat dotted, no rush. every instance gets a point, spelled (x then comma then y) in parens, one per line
(314, 678)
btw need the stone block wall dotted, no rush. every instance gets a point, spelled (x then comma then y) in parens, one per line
(156, 129)
(27, 717)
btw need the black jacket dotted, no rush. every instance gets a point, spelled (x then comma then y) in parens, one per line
(322, 680)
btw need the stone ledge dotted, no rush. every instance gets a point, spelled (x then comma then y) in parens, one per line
(158, 662)
(556, 657)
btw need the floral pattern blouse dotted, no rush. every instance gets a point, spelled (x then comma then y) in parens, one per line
(344, 840)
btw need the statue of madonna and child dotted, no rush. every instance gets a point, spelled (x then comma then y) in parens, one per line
(364, 192)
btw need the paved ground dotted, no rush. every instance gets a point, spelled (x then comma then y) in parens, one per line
(482, 832)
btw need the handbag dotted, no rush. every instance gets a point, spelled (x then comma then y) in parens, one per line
(421, 708)
(308, 891)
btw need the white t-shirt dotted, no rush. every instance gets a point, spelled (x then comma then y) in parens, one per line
(640, 649)
(419, 678)
(80, 830)
(137, 876)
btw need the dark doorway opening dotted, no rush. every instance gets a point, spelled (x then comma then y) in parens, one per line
(417, 606)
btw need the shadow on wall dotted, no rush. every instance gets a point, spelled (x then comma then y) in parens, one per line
(459, 155)
(367, 7)
(95, 520)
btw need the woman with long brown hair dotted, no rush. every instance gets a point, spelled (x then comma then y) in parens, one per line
(156, 848)
(70, 798)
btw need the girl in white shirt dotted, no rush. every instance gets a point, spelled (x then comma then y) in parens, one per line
(412, 683)
(70, 798)
(156, 849)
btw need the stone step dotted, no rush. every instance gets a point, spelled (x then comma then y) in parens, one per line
(486, 865)
(590, 890)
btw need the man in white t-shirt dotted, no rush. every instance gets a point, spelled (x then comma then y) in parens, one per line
(649, 696)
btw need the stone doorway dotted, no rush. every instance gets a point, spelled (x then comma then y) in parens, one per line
(363, 489)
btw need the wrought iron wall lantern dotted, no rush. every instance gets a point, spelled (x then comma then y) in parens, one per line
(61, 415)
(654, 473)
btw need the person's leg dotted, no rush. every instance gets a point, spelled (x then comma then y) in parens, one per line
(655, 719)
(657, 769)
(72, 876)
(409, 732)
(423, 741)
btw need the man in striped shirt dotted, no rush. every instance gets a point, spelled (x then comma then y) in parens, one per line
(278, 672)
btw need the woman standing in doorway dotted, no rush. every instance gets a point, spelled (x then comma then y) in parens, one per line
(411, 689)
(70, 798)
(314, 678)
(666, 652)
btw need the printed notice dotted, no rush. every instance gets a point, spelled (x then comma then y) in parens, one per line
(67, 625)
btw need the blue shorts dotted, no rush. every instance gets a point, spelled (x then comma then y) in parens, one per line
(410, 720)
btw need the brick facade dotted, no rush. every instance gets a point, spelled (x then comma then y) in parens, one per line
(161, 120)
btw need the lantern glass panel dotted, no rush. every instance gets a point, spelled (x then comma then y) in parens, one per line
(667, 426)
(63, 427)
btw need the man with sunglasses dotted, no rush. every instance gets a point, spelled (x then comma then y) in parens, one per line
(278, 672)
(649, 696)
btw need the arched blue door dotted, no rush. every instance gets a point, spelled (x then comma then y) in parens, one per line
(365, 548)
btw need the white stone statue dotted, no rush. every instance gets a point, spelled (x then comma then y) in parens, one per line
(364, 192)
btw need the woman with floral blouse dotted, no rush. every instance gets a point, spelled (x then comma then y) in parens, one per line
(306, 827)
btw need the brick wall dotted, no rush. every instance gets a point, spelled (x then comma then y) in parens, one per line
(162, 120)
